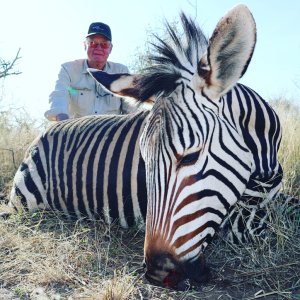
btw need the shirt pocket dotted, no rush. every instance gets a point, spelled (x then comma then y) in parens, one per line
(112, 104)
(82, 101)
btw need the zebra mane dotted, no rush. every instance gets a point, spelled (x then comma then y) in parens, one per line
(176, 57)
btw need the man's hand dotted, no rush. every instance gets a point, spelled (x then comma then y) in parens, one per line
(61, 117)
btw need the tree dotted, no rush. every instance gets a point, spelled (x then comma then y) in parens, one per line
(6, 67)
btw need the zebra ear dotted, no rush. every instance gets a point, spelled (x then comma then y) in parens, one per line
(121, 84)
(229, 53)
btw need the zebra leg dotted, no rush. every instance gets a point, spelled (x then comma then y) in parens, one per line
(28, 191)
(249, 218)
(246, 220)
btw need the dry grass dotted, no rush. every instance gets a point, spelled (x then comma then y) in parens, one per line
(17, 131)
(44, 256)
(270, 265)
(45, 250)
(289, 153)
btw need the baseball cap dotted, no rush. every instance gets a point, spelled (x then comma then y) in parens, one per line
(99, 28)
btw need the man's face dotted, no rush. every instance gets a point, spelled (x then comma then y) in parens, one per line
(98, 48)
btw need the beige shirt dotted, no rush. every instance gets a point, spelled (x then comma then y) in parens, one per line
(77, 94)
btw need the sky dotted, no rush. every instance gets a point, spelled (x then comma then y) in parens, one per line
(51, 32)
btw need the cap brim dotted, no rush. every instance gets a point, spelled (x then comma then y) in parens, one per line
(97, 33)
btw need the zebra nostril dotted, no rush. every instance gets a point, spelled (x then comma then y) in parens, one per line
(172, 279)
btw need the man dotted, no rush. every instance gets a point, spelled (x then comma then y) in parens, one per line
(76, 93)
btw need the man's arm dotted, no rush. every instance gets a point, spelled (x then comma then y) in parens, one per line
(61, 117)
(59, 98)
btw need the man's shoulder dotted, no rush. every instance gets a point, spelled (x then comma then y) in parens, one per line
(74, 64)
(113, 67)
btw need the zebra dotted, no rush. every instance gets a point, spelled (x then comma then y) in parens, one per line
(209, 145)
(205, 146)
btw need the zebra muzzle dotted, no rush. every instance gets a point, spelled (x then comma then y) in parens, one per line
(164, 270)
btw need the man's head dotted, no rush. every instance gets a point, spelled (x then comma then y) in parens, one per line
(98, 44)
(99, 28)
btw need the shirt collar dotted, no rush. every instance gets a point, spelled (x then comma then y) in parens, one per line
(85, 66)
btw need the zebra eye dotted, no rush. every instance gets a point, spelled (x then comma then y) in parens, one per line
(189, 159)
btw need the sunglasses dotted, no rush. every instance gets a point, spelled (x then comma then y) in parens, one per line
(103, 45)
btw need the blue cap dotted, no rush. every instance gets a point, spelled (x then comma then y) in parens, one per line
(99, 28)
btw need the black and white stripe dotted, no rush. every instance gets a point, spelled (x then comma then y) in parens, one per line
(86, 167)
(206, 151)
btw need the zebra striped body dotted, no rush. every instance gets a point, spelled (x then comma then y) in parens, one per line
(260, 128)
(209, 145)
(206, 152)
(88, 167)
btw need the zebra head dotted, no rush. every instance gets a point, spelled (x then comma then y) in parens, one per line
(197, 164)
